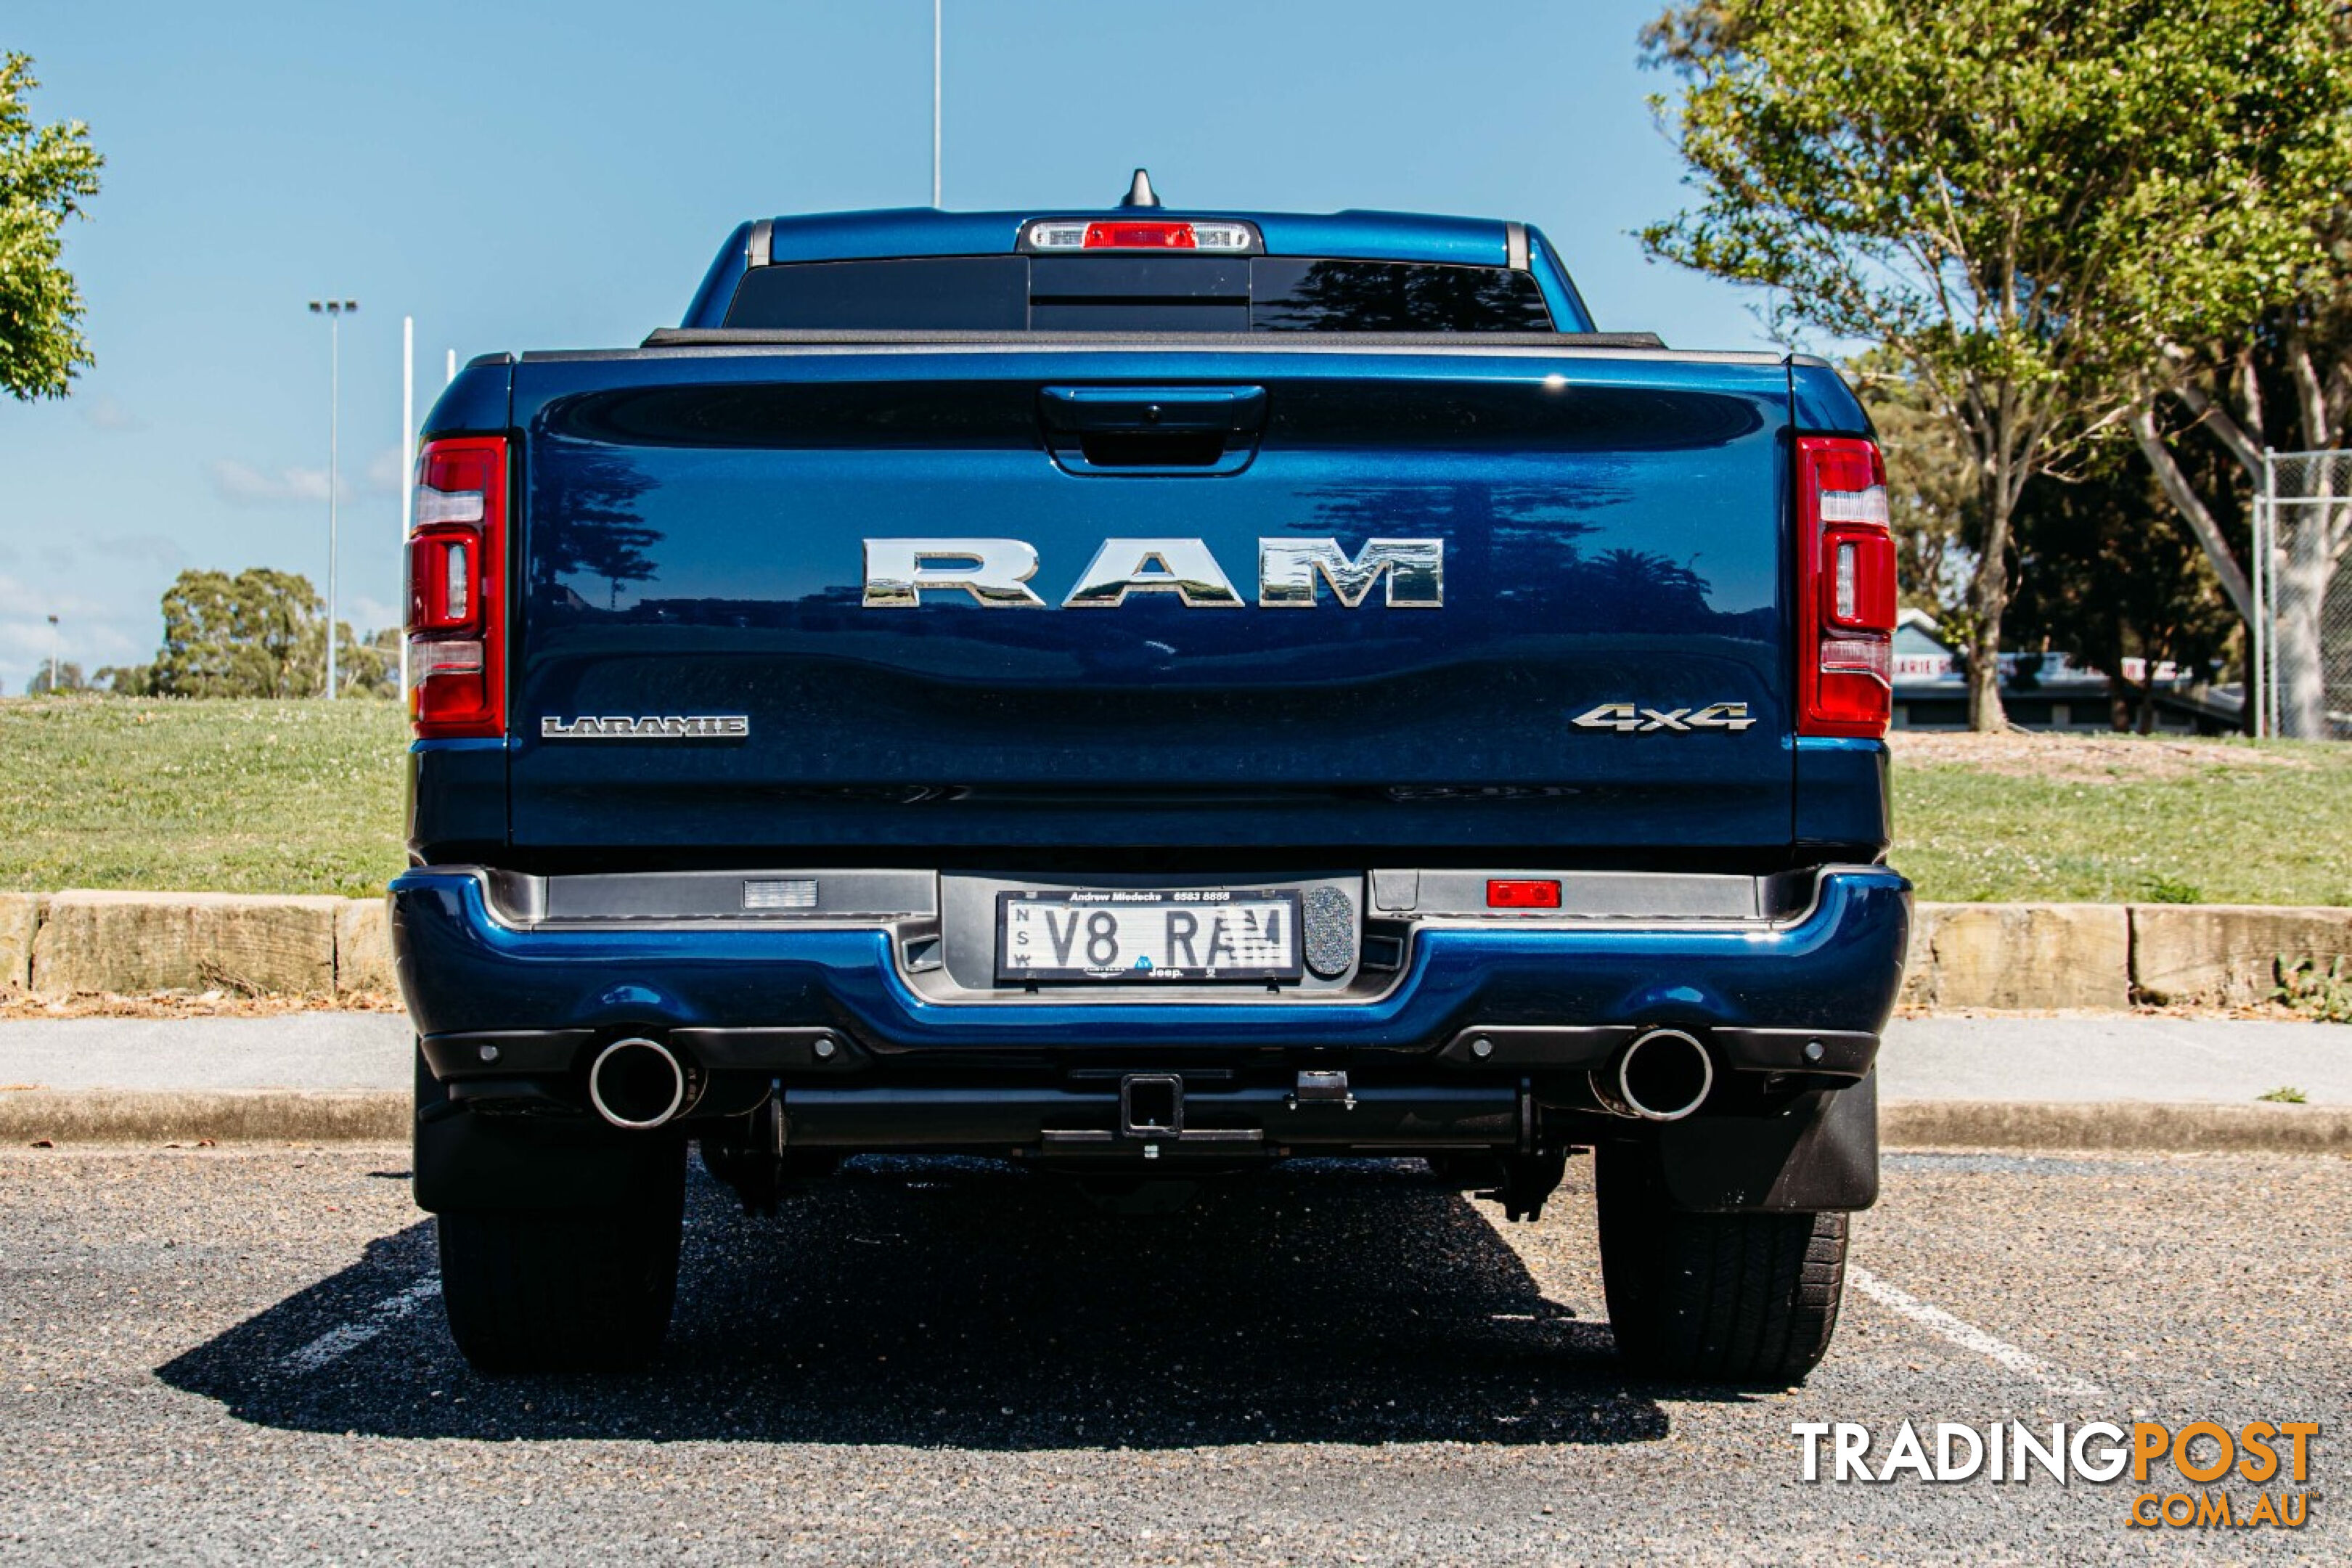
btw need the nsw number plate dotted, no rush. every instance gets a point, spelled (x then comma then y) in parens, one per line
(1143, 935)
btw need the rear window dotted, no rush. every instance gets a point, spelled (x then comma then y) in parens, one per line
(1290, 295)
(1139, 294)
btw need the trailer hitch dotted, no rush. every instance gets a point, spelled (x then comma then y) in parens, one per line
(1527, 1181)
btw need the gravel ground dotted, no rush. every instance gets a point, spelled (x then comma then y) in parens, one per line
(236, 1353)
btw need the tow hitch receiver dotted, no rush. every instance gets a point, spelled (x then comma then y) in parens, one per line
(1527, 1181)
(1151, 1105)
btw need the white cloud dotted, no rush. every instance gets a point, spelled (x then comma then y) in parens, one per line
(385, 470)
(366, 614)
(160, 549)
(25, 639)
(21, 600)
(88, 643)
(241, 484)
(105, 413)
(89, 634)
(66, 557)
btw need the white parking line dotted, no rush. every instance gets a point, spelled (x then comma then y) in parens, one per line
(336, 1343)
(1968, 1336)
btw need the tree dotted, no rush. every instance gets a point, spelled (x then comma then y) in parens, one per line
(2022, 200)
(255, 634)
(47, 172)
(127, 679)
(2109, 584)
(369, 666)
(2286, 385)
(68, 679)
(1931, 496)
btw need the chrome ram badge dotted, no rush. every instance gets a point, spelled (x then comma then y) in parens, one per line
(652, 727)
(1631, 718)
(995, 572)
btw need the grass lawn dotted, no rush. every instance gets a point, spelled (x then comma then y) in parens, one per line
(2121, 819)
(304, 797)
(249, 798)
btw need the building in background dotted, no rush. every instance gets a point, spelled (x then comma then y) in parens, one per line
(2045, 690)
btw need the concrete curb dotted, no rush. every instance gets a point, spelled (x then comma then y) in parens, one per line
(268, 1116)
(2136, 1125)
(382, 1117)
(130, 943)
(2058, 956)
(2020, 955)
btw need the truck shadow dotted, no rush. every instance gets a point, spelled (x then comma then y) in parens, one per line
(954, 1304)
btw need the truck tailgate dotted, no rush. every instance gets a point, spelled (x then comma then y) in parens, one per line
(1612, 532)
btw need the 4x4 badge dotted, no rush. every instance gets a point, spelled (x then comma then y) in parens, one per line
(1631, 719)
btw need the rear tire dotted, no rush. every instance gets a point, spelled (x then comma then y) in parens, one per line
(1740, 1298)
(589, 1289)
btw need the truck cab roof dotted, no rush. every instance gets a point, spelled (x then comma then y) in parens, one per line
(928, 231)
(1356, 236)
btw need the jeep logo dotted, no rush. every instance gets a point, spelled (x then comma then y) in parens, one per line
(1290, 573)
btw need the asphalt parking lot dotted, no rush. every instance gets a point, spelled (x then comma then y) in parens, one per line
(237, 1352)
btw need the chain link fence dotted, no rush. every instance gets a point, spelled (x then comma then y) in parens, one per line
(2303, 630)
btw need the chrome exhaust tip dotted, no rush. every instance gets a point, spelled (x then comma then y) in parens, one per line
(1663, 1076)
(637, 1084)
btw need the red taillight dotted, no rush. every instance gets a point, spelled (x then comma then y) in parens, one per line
(1522, 893)
(1845, 610)
(456, 589)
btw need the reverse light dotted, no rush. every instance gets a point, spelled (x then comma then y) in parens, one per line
(457, 616)
(781, 893)
(1138, 234)
(1522, 893)
(1845, 673)
(443, 656)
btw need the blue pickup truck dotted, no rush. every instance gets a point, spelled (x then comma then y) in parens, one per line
(1145, 694)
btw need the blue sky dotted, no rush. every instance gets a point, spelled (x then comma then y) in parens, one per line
(537, 174)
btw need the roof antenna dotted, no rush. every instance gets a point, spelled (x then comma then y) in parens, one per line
(1140, 193)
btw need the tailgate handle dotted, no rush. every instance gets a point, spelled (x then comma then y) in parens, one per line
(1152, 429)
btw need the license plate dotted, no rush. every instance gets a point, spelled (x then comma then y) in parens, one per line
(1146, 935)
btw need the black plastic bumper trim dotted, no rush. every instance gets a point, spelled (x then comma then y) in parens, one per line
(1845, 1053)
(771, 1050)
(513, 1053)
(1538, 1045)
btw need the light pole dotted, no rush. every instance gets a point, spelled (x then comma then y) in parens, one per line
(334, 311)
(935, 102)
(53, 656)
(407, 472)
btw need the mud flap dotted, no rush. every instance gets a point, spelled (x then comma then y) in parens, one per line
(468, 1162)
(1821, 1154)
